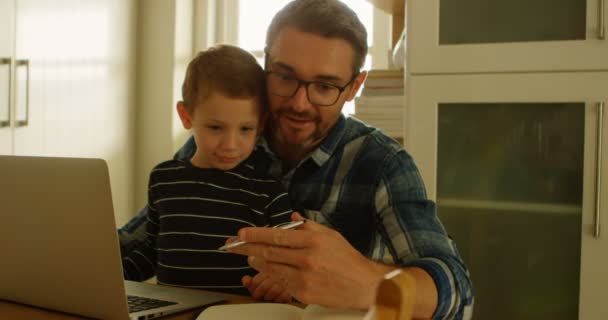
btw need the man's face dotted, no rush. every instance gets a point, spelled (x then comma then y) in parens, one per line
(309, 57)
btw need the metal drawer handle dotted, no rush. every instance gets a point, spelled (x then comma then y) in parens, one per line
(598, 167)
(602, 20)
(7, 121)
(24, 122)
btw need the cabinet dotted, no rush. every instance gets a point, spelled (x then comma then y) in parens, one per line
(473, 36)
(6, 75)
(66, 83)
(512, 161)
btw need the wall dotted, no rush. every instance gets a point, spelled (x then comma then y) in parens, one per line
(164, 49)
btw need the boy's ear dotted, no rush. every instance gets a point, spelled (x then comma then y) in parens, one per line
(184, 115)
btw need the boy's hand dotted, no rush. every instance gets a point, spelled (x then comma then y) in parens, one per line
(261, 286)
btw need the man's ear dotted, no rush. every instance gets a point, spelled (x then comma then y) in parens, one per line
(357, 83)
(184, 115)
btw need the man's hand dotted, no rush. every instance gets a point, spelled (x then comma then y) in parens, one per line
(318, 265)
(262, 286)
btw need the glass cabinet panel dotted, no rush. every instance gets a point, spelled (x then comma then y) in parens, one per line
(471, 36)
(494, 21)
(509, 191)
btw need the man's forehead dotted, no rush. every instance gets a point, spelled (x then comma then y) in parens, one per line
(310, 55)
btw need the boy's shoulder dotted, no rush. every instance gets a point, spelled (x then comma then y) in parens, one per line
(170, 164)
(251, 170)
(258, 175)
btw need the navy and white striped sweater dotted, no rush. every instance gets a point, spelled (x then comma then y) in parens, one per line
(192, 211)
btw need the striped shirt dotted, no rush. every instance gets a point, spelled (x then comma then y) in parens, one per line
(191, 213)
(366, 186)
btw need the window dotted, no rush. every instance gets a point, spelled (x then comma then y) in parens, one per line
(254, 18)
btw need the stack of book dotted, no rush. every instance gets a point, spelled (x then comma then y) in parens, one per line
(381, 103)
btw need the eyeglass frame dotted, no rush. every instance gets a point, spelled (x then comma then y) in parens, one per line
(308, 83)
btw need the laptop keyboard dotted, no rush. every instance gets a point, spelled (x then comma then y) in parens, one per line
(140, 303)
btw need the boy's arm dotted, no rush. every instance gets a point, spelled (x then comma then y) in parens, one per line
(279, 207)
(261, 286)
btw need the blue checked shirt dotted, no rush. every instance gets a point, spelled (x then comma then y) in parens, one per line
(366, 186)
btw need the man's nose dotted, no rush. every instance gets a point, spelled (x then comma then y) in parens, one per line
(300, 99)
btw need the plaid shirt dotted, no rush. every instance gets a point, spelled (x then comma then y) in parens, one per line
(366, 186)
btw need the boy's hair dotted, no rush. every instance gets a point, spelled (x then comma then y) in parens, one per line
(326, 18)
(225, 69)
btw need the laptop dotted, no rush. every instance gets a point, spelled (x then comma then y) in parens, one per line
(59, 244)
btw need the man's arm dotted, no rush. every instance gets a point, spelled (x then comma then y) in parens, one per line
(139, 263)
(417, 240)
(318, 264)
(321, 267)
(133, 233)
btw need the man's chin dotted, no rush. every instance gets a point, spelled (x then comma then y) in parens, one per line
(301, 141)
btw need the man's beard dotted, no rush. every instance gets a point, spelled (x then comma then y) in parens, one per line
(286, 112)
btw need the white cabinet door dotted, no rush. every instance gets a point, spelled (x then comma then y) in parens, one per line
(449, 36)
(74, 79)
(512, 160)
(7, 13)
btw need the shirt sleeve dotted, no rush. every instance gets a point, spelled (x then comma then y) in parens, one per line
(133, 232)
(139, 263)
(414, 236)
(187, 150)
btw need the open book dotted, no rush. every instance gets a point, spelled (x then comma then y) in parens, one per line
(276, 311)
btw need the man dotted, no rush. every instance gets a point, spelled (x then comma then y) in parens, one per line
(362, 193)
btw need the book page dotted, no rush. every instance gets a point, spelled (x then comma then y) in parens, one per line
(252, 311)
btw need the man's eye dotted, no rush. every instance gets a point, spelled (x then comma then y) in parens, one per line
(322, 87)
(285, 77)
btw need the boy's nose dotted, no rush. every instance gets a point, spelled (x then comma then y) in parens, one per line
(230, 140)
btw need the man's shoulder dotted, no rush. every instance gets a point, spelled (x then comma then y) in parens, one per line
(371, 140)
(187, 150)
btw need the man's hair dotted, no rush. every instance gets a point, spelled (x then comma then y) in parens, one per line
(225, 69)
(326, 18)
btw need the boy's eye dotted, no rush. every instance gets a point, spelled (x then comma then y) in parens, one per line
(214, 127)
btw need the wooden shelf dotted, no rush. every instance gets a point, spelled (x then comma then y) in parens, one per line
(394, 7)
(397, 9)
(510, 206)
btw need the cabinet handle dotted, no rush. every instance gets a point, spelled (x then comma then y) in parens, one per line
(598, 166)
(26, 63)
(602, 22)
(7, 122)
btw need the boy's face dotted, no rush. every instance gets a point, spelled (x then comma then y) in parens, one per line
(224, 128)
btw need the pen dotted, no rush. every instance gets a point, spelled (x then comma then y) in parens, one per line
(287, 225)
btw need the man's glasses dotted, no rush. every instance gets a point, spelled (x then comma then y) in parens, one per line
(318, 93)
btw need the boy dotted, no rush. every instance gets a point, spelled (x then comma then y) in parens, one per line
(195, 205)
